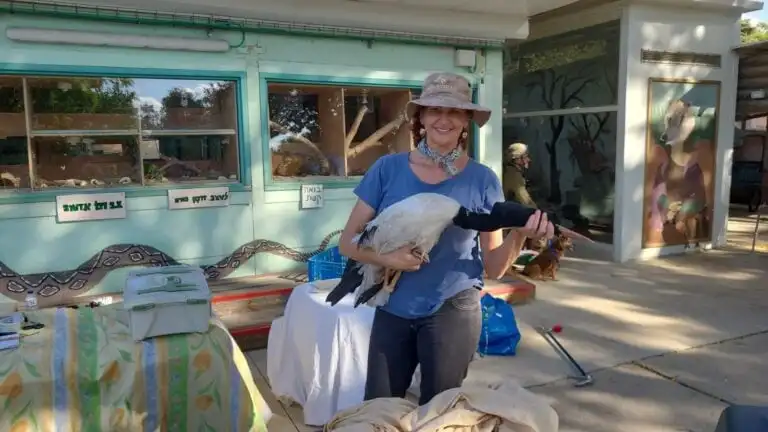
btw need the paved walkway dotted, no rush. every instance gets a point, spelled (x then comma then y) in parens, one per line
(670, 342)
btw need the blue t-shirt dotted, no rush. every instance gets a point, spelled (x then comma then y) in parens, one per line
(455, 263)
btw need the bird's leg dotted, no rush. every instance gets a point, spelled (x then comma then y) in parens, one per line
(390, 279)
(392, 276)
(420, 254)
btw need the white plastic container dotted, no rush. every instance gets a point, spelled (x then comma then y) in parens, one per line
(167, 300)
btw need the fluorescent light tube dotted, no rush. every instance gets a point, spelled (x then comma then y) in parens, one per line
(72, 37)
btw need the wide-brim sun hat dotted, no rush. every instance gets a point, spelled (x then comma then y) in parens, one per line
(448, 90)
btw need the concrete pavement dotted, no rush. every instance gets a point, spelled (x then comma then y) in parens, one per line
(670, 342)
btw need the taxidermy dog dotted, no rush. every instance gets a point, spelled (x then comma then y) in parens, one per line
(547, 263)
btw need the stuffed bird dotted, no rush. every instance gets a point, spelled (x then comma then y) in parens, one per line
(417, 222)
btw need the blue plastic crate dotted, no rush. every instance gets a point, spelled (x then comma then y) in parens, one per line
(326, 265)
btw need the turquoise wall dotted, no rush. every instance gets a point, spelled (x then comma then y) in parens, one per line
(34, 242)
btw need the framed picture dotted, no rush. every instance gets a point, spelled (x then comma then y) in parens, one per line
(681, 152)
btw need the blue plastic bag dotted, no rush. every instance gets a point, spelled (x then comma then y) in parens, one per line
(499, 334)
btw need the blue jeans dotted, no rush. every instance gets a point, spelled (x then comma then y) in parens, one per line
(443, 344)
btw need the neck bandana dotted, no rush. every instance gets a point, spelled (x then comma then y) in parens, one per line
(446, 161)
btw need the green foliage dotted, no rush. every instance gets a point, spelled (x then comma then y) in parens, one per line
(752, 31)
(110, 96)
(11, 100)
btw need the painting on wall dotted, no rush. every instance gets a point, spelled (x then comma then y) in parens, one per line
(572, 167)
(681, 147)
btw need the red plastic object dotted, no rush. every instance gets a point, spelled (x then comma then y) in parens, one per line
(557, 328)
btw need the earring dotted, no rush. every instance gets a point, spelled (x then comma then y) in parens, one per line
(422, 131)
(464, 135)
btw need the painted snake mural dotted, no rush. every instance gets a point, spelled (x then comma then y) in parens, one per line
(91, 272)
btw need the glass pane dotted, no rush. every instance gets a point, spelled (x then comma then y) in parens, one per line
(82, 104)
(334, 131)
(189, 158)
(575, 69)
(86, 162)
(94, 132)
(14, 165)
(187, 104)
(575, 177)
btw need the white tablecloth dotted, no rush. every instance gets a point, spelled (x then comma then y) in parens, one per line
(317, 355)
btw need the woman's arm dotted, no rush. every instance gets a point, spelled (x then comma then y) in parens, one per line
(499, 252)
(361, 214)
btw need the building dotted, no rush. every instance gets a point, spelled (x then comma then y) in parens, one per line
(130, 134)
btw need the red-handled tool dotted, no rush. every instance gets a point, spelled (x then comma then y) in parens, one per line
(584, 379)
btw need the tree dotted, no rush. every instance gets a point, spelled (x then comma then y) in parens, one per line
(753, 31)
(559, 91)
(83, 96)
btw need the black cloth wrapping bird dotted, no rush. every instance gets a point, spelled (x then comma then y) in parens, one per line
(417, 221)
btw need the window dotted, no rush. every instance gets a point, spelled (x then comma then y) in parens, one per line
(85, 132)
(323, 131)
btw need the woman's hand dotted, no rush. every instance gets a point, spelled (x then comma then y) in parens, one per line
(538, 226)
(401, 259)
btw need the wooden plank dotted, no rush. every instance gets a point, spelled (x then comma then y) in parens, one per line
(280, 421)
(512, 290)
(392, 106)
(252, 282)
(287, 418)
(330, 116)
(259, 359)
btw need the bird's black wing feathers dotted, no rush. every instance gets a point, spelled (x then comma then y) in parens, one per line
(350, 280)
(507, 214)
(366, 236)
(369, 293)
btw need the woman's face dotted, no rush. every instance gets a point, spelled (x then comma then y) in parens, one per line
(444, 126)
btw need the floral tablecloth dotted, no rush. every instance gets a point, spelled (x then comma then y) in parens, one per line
(84, 372)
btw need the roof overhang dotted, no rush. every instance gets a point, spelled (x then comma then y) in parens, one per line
(481, 19)
(752, 92)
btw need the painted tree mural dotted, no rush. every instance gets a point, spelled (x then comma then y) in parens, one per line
(574, 154)
(558, 91)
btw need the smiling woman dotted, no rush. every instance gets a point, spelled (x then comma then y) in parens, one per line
(93, 132)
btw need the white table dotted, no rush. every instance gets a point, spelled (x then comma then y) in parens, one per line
(317, 355)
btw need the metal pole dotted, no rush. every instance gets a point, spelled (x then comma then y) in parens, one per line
(757, 226)
(761, 203)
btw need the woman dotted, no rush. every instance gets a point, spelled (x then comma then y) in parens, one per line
(433, 317)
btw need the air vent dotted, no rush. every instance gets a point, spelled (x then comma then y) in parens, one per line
(689, 58)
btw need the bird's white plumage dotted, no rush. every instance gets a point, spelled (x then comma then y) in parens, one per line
(416, 221)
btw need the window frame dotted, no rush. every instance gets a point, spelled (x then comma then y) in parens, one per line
(332, 182)
(133, 191)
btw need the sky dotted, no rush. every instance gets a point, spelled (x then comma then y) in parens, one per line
(761, 15)
(152, 91)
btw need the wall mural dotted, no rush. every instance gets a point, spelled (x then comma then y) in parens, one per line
(64, 285)
(581, 150)
(680, 162)
(573, 156)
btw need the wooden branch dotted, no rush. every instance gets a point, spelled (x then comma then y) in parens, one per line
(375, 138)
(284, 130)
(305, 147)
(15, 181)
(171, 161)
(355, 126)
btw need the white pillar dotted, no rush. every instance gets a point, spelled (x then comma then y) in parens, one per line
(489, 94)
(664, 28)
